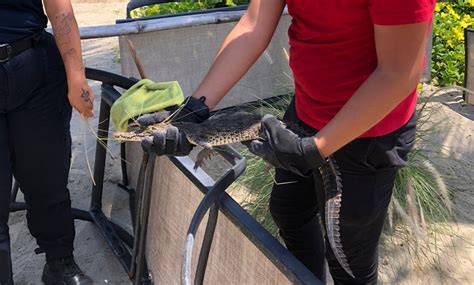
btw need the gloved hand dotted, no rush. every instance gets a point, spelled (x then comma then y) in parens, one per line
(172, 142)
(284, 149)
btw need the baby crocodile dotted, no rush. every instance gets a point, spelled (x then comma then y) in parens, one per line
(221, 129)
(227, 128)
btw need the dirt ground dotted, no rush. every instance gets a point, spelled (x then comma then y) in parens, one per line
(397, 267)
(452, 155)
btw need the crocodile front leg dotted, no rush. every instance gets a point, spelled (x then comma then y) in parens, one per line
(332, 182)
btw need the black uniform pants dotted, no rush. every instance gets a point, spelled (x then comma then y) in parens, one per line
(368, 167)
(35, 147)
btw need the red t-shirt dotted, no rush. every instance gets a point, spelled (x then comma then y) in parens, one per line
(332, 52)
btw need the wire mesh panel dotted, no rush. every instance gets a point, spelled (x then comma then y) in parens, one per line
(469, 73)
(426, 76)
(185, 54)
(235, 257)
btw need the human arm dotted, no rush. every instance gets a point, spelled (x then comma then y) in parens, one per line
(239, 51)
(233, 60)
(66, 34)
(400, 54)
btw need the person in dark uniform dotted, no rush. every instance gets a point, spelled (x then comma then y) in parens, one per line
(41, 77)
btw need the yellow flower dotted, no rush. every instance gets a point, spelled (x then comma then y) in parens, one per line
(450, 43)
(451, 11)
(420, 86)
(467, 20)
(458, 33)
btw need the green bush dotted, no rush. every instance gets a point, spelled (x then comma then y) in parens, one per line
(451, 18)
(184, 6)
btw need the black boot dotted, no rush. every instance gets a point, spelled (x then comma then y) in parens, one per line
(64, 271)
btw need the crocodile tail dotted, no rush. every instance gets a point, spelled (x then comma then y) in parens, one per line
(332, 182)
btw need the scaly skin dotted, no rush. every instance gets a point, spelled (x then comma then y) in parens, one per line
(333, 191)
(221, 129)
(228, 128)
(332, 183)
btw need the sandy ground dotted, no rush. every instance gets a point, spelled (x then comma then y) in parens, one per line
(455, 140)
(452, 154)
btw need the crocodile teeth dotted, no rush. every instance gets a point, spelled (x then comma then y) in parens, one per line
(333, 191)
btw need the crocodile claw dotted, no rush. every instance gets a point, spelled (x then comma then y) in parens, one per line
(202, 156)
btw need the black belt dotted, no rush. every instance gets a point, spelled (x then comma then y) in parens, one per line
(8, 51)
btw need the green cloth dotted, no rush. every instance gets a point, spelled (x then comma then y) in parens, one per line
(144, 97)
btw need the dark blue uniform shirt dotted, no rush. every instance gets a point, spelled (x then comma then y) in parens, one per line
(20, 19)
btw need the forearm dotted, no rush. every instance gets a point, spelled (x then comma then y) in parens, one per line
(379, 95)
(240, 50)
(66, 34)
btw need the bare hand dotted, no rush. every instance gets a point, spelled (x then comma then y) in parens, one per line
(81, 98)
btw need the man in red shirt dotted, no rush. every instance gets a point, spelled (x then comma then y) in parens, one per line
(356, 65)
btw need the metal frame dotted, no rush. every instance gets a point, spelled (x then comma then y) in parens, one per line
(130, 249)
(210, 202)
(118, 239)
(125, 250)
(135, 4)
(468, 33)
(215, 201)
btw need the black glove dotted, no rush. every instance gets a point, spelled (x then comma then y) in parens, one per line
(284, 149)
(172, 142)
(192, 110)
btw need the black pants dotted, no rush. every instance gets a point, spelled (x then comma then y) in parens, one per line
(368, 167)
(35, 147)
